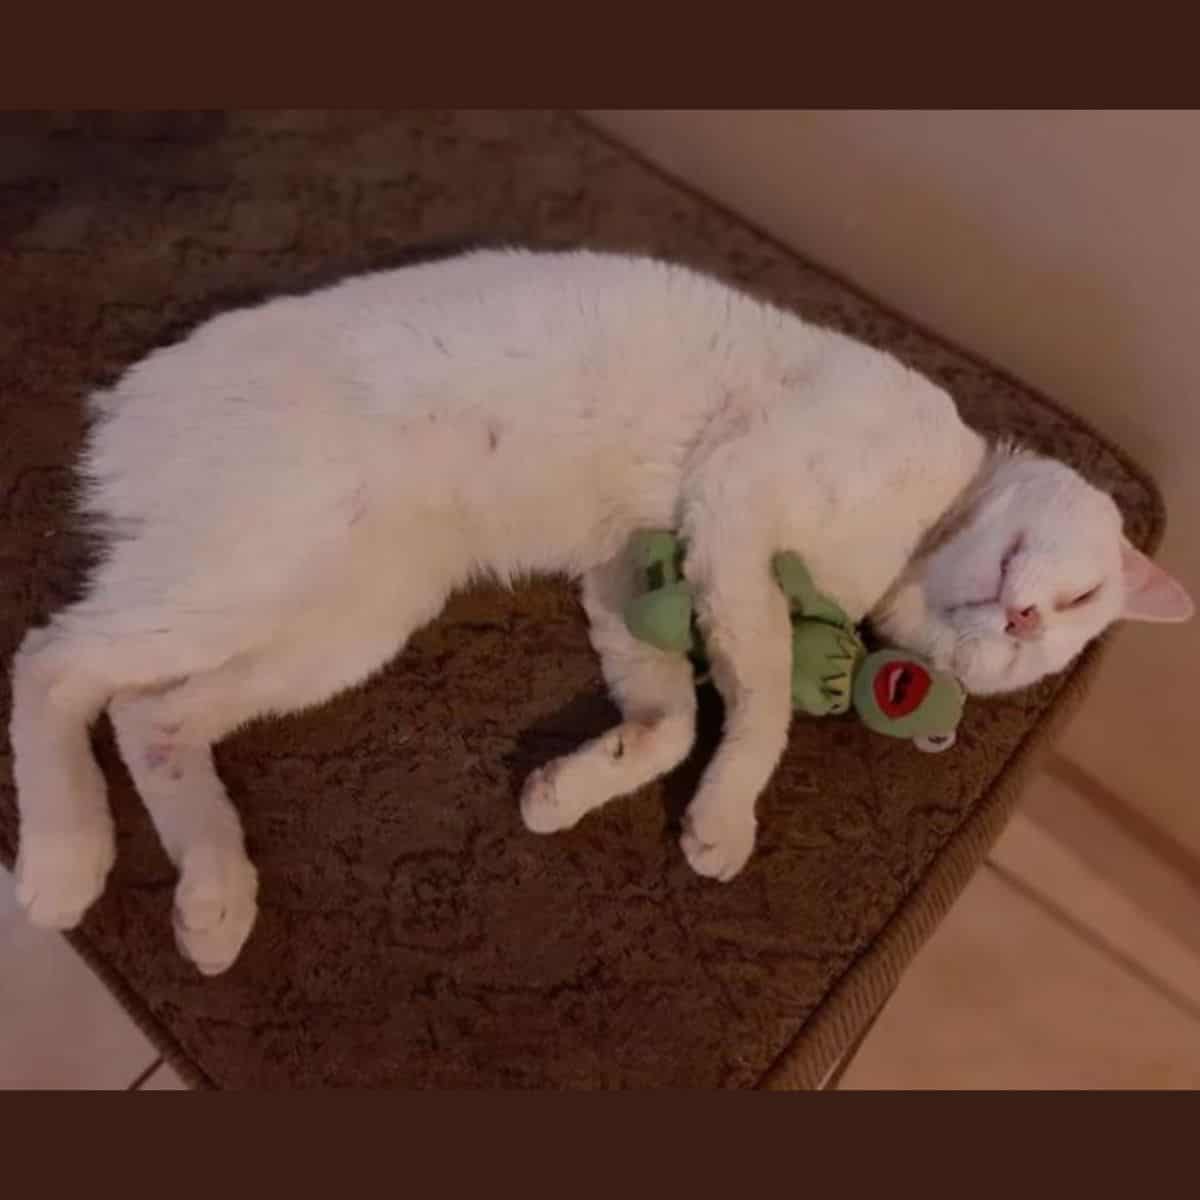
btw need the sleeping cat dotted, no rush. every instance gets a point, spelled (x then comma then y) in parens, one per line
(290, 492)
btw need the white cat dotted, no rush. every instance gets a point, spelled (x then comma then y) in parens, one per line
(295, 488)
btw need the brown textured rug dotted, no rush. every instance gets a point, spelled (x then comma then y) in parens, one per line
(412, 933)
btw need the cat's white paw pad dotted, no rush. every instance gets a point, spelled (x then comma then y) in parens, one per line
(215, 907)
(59, 876)
(717, 843)
(545, 808)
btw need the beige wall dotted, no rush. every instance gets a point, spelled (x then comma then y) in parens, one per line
(1064, 246)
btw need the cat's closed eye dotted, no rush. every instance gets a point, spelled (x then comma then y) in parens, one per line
(1078, 601)
(1015, 547)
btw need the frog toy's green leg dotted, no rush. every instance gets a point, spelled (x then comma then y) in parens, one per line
(661, 609)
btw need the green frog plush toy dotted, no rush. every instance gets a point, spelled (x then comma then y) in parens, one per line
(893, 692)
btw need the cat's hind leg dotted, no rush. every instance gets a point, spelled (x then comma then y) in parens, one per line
(177, 678)
(166, 738)
(63, 675)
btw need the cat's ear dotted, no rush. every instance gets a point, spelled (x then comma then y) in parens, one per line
(1150, 593)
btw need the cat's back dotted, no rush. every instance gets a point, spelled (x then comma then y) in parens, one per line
(319, 384)
(493, 321)
(387, 335)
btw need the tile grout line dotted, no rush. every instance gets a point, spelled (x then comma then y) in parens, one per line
(1087, 934)
(136, 1085)
(1149, 835)
(1105, 844)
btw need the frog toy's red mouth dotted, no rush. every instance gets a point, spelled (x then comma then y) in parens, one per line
(900, 687)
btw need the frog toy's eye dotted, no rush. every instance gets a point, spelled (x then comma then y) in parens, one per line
(935, 743)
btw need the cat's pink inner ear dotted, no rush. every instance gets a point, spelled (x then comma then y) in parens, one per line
(1151, 594)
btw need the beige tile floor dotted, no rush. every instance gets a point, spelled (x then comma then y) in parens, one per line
(1044, 975)
(1047, 975)
(59, 1028)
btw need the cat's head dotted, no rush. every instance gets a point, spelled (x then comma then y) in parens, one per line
(1028, 568)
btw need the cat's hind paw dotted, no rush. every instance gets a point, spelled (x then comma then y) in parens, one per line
(215, 907)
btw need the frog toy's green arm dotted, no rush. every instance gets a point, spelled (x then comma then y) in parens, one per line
(803, 598)
(826, 649)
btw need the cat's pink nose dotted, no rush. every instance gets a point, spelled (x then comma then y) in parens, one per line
(1023, 622)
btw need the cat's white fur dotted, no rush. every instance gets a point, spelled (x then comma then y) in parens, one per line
(293, 489)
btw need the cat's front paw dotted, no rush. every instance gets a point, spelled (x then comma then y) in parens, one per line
(215, 907)
(546, 806)
(717, 838)
(60, 875)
